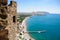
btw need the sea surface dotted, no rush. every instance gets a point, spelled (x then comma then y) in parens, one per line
(48, 22)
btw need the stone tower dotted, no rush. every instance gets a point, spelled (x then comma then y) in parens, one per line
(12, 20)
(8, 20)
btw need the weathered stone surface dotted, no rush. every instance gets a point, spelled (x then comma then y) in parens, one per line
(12, 20)
(3, 2)
(3, 14)
(4, 34)
(8, 20)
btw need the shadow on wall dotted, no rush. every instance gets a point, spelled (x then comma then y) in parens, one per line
(4, 34)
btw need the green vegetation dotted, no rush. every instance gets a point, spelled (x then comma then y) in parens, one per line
(22, 17)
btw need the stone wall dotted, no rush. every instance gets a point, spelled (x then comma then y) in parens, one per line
(3, 20)
(4, 34)
(8, 20)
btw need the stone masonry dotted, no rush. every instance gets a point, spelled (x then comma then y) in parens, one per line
(8, 20)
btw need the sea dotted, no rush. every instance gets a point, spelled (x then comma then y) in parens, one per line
(49, 22)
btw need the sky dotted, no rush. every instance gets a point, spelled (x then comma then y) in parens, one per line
(52, 6)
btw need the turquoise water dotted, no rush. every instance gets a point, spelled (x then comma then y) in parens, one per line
(49, 22)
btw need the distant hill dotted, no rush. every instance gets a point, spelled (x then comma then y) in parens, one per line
(33, 13)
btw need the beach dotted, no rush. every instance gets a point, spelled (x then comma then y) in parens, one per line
(25, 32)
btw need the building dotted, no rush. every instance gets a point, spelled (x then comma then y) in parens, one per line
(8, 20)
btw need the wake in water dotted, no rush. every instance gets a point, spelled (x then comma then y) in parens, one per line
(42, 31)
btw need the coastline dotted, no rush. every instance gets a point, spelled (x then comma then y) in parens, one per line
(25, 34)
